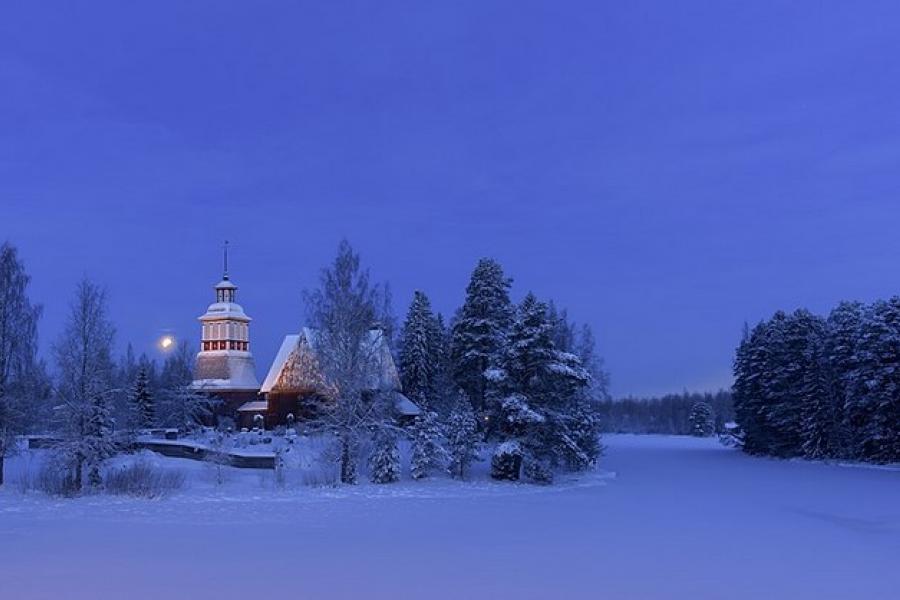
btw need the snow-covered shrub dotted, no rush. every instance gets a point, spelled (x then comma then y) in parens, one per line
(142, 479)
(313, 461)
(507, 461)
(280, 468)
(537, 470)
(55, 479)
(732, 437)
(217, 456)
(323, 475)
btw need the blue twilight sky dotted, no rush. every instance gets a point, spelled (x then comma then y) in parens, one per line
(666, 170)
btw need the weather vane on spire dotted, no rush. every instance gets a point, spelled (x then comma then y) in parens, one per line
(226, 260)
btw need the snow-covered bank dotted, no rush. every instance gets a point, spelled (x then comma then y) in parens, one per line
(682, 518)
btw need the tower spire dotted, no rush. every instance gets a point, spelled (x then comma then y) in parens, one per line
(225, 276)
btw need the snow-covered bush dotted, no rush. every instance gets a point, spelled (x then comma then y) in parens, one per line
(56, 479)
(143, 480)
(732, 437)
(315, 460)
(506, 462)
(217, 456)
(321, 475)
(537, 470)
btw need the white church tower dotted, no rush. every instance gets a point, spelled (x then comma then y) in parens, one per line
(224, 364)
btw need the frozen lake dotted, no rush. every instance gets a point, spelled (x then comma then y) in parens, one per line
(682, 517)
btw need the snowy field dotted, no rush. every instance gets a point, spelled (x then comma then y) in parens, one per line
(667, 518)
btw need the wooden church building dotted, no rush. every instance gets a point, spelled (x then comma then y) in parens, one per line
(225, 368)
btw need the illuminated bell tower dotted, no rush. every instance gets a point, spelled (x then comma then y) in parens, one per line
(224, 363)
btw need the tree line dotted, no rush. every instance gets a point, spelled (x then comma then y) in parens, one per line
(822, 387)
(669, 414)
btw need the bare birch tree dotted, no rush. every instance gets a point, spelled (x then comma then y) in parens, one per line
(18, 348)
(85, 368)
(343, 311)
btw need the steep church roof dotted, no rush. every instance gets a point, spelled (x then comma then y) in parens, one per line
(295, 368)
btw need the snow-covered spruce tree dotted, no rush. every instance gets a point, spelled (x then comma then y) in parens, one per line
(343, 310)
(799, 382)
(479, 331)
(875, 406)
(747, 394)
(584, 433)
(420, 352)
(540, 389)
(384, 462)
(142, 405)
(445, 389)
(463, 439)
(841, 353)
(85, 371)
(702, 419)
(18, 349)
(783, 394)
(819, 399)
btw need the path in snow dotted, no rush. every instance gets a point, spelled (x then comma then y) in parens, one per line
(682, 518)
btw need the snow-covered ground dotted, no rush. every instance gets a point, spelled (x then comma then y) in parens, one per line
(680, 517)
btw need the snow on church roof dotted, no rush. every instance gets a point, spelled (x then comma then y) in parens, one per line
(290, 352)
(287, 346)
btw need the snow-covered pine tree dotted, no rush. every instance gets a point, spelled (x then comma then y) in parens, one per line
(804, 393)
(85, 386)
(819, 399)
(463, 439)
(540, 388)
(445, 390)
(750, 364)
(427, 453)
(875, 408)
(585, 447)
(420, 352)
(479, 330)
(841, 354)
(384, 462)
(702, 419)
(143, 409)
(97, 440)
(791, 343)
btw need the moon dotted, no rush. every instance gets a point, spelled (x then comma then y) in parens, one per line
(166, 342)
